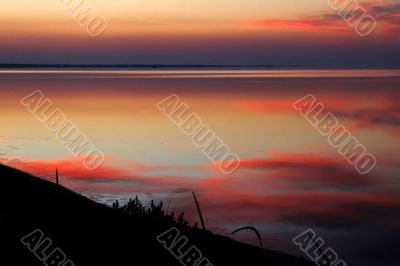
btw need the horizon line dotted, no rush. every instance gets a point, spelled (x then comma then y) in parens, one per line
(155, 66)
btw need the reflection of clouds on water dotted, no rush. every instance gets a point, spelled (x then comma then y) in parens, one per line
(14, 147)
(23, 138)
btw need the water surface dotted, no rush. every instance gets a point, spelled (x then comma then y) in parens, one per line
(290, 177)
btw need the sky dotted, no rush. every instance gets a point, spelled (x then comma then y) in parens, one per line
(277, 32)
(290, 178)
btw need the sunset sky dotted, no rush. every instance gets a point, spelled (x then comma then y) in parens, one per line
(279, 32)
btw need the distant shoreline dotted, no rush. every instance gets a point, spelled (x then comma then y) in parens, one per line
(177, 66)
(152, 66)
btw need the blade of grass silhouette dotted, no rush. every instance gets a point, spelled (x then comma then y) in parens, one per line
(198, 209)
(251, 228)
(169, 201)
(57, 176)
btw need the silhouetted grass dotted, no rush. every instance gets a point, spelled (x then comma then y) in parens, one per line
(154, 214)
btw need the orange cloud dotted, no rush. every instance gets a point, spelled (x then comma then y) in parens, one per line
(318, 23)
(386, 13)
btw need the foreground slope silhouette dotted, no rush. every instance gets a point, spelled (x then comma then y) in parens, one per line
(90, 233)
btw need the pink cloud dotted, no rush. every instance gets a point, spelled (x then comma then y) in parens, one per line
(387, 13)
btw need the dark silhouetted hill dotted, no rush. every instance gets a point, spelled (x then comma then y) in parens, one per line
(94, 234)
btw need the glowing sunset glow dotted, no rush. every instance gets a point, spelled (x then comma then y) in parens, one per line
(206, 32)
